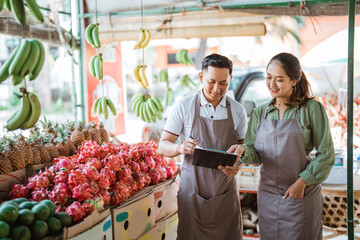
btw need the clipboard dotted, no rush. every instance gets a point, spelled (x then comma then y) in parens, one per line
(211, 158)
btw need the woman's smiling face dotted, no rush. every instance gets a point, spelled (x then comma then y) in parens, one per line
(278, 82)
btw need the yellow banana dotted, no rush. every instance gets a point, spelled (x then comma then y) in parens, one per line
(4, 72)
(137, 76)
(32, 59)
(147, 39)
(88, 34)
(104, 108)
(35, 111)
(35, 10)
(140, 39)
(92, 65)
(20, 57)
(95, 36)
(143, 75)
(40, 62)
(17, 7)
(111, 106)
(21, 116)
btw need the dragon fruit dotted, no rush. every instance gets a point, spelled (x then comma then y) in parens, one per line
(105, 196)
(143, 167)
(19, 191)
(104, 182)
(120, 193)
(92, 174)
(154, 175)
(123, 174)
(38, 181)
(146, 178)
(88, 207)
(150, 162)
(87, 150)
(61, 194)
(108, 148)
(162, 172)
(61, 176)
(82, 192)
(125, 157)
(76, 177)
(63, 162)
(40, 194)
(109, 173)
(133, 185)
(50, 174)
(76, 211)
(113, 162)
(94, 162)
(59, 208)
(134, 166)
(169, 172)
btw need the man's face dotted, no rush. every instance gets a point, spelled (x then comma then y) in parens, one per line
(215, 83)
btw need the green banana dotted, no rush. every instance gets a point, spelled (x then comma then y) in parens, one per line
(150, 113)
(39, 64)
(31, 60)
(17, 79)
(88, 34)
(136, 97)
(2, 4)
(158, 110)
(99, 108)
(177, 56)
(98, 65)
(21, 115)
(144, 113)
(7, 5)
(183, 52)
(95, 36)
(137, 109)
(136, 103)
(95, 106)
(20, 57)
(111, 106)
(35, 111)
(35, 10)
(17, 7)
(104, 107)
(188, 59)
(4, 71)
(158, 103)
(92, 65)
(153, 107)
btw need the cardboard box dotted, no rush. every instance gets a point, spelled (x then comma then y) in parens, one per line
(165, 198)
(100, 231)
(133, 218)
(165, 229)
(89, 222)
(8, 180)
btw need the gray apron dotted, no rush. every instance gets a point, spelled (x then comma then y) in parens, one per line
(280, 145)
(208, 200)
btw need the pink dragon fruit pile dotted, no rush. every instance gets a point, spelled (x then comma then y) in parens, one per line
(97, 176)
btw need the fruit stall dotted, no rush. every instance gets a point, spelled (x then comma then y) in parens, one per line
(73, 178)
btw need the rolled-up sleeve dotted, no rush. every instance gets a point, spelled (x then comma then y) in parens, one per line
(251, 156)
(319, 168)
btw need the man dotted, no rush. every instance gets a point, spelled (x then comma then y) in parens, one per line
(208, 198)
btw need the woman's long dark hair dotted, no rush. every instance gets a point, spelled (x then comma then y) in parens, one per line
(291, 65)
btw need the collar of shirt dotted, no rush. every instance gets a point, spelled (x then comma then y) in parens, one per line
(271, 106)
(205, 102)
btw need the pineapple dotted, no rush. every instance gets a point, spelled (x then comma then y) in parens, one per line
(16, 158)
(77, 136)
(35, 151)
(95, 134)
(62, 141)
(39, 142)
(5, 165)
(48, 127)
(70, 126)
(24, 148)
(103, 133)
(86, 131)
(51, 148)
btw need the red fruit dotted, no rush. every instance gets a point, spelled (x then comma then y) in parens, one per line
(163, 173)
(19, 191)
(120, 193)
(94, 162)
(40, 194)
(61, 176)
(61, 194)
(91, 173)
(60, 208)
(123, 174)
(113, 162)
(76, 211)
(134, 166)
(88, 207)
(146, 177)
(104, 182)
(108, 148)
(125, 157)
(105, 196)
(50, 174)
(82, 192)
(109, 173)
(154, 175)
(133, 185)
(169, 172)
(63, 162)
(150, 162)
(143, 167)
(38, 181)
(76, 177)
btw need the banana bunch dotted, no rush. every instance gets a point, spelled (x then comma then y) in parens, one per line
(92, 35)
(140, 76)
(96, 66)
(164, 76)
(27, 59)
(17, 7)
(182, 56)
(169, 97)
(27, 114)
(143, 40)
(147, 107)
(102, 106)
(186, 81)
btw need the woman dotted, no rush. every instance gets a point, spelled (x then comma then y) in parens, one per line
(280, 137)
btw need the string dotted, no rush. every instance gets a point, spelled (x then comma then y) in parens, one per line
(98, 50)
(142, 26)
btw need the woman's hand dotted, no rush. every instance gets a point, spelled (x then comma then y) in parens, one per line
(187, 147)
(296, 190)
(230, 171)
(237, 149)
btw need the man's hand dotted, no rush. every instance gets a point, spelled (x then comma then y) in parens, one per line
(187, 147)
(296, 190)
(230, 171)
(237, 149)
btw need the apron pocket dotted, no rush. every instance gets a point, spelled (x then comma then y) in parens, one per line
(207, 211)
(292, 218)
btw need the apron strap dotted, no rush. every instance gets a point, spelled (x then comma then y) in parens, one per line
(197, 105)
(298, 114)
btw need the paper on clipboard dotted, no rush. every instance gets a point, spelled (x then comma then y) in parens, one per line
(211, 158)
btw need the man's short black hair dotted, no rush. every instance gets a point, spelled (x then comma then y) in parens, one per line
(218, 61)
